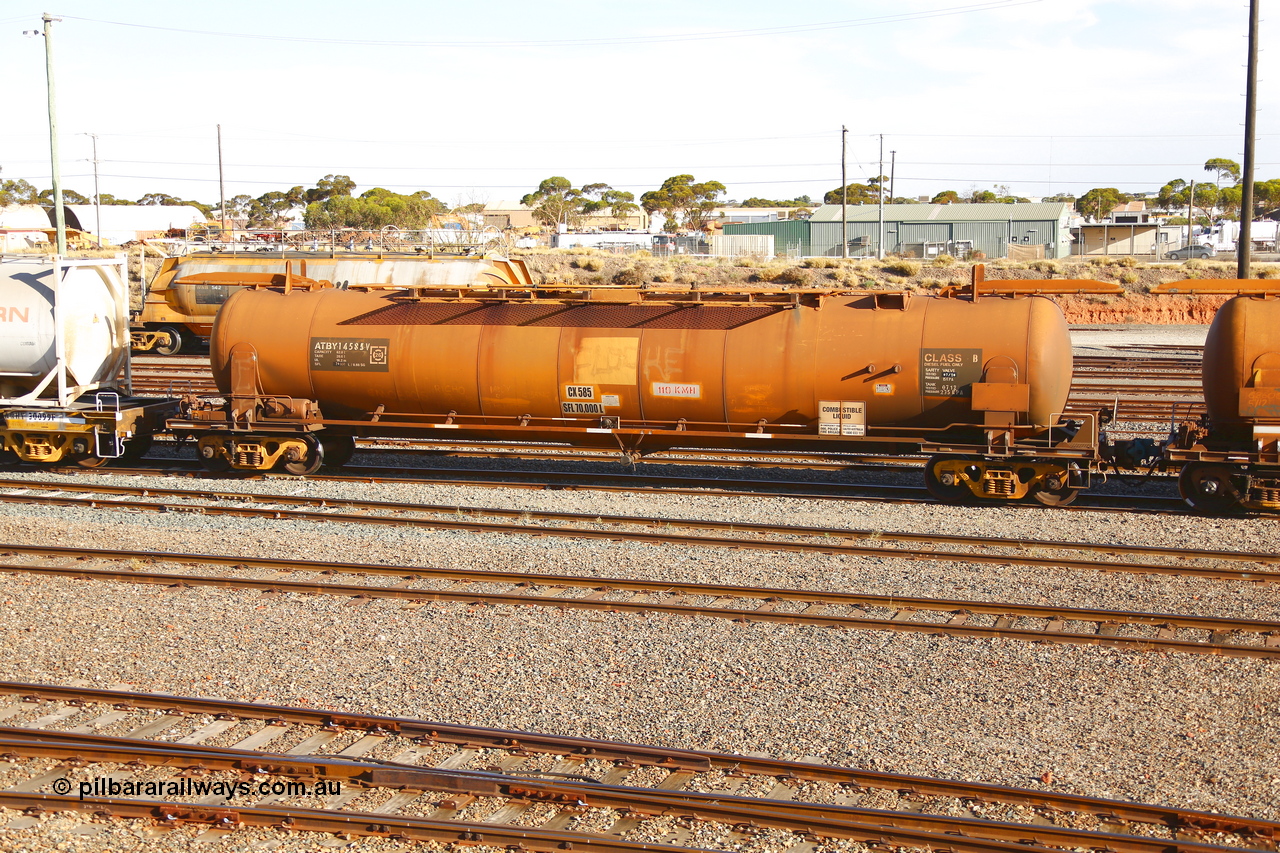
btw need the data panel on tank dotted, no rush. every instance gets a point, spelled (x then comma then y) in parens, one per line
(353, 354)
(948, 371)
(212, 294)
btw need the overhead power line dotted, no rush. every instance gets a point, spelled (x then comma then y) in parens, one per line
(877, 20)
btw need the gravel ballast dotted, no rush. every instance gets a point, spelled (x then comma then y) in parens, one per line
(1188, 730)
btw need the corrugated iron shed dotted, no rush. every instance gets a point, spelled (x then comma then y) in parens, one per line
(924, 230)
(945, 212)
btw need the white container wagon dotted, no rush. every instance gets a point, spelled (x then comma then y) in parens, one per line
(65, 386)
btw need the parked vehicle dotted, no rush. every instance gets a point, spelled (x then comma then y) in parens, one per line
(1194, 251)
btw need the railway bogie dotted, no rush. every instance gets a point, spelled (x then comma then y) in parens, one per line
(1052, 482)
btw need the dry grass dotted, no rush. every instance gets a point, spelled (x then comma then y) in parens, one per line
(1045, 265)
(585, 268)
(903, 267)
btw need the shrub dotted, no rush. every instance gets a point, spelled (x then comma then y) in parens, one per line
(630, 277)
(794, 275)
(820, 263)
(664, 273)
(903, 267)
(1129, 277)
(1196, 264)
(944, 260)
(1267, 272)
(1045, 265)
(1126, 261)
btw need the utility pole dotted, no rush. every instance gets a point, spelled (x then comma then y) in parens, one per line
(893, 164)
(844, 195)
(1250, 116)
(222, 192)
(1191, 212)
(880, 186)
(59, 217)
(97, 199)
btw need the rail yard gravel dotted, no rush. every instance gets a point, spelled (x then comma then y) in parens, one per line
(1187, 730)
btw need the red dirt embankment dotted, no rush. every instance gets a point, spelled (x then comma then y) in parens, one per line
(1140, 309)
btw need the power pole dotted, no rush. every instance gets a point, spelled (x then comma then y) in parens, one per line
(97, 199)
(880, 186)
(222, 192)
(1191, 212)
(893, 164)
(59, 217)
(1250, 116)
(844, 195)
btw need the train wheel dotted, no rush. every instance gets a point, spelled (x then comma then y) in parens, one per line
(310, 463)
(1055, 497)
(338, 450)
(175, 341)
(212, 460)
(91, 461)
(1055, 491)
(952, 493)
(1208, 488)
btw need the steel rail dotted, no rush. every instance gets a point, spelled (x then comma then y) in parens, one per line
(663, 757)
(630, 483)
(21, 489)
(300, 819)
(904, 607)
(661, 537)
(812, 819)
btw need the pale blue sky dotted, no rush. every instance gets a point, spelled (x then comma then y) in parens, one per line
(480, 101)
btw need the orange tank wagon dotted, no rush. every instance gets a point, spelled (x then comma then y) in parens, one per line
(977, 379)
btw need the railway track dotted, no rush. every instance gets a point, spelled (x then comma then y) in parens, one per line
(815, 608)
(628, 483)
(100, 494)
(422, 779)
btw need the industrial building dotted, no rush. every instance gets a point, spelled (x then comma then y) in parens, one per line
(1021, 231)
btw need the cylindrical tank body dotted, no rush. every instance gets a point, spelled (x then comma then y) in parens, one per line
(1241, 360)
(907, 361)
(92, 320)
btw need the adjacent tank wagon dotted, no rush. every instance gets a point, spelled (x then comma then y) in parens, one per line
(978, 383)
(1231, 460)
(185, 295)
(65, 390)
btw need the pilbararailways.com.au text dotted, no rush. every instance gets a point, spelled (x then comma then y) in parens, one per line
(189, 787)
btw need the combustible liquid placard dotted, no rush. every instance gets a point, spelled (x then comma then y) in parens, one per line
(368, 355)
(842, 417)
